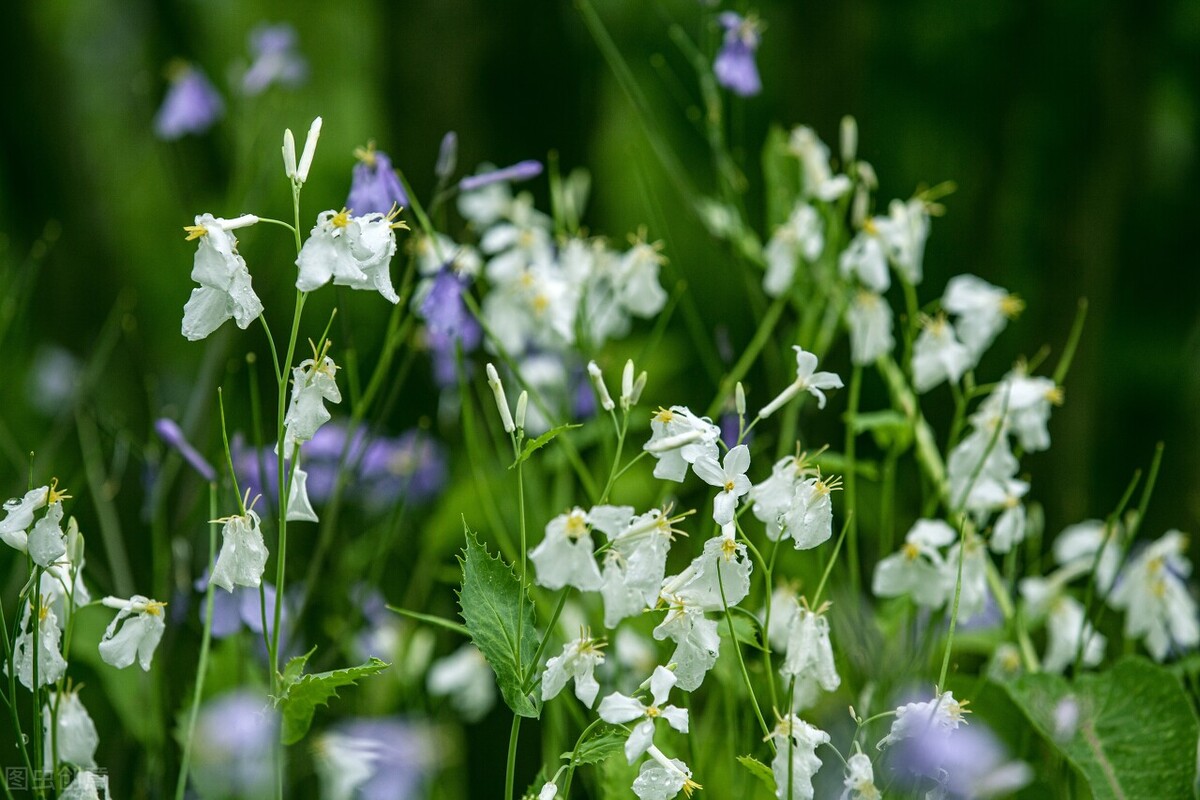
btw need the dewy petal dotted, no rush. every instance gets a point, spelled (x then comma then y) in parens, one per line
(243, 554)
(299, 508)
(47, 542)
(639, 740)
(618, 708)
(660, 684)
(707, 469)
(676, 717)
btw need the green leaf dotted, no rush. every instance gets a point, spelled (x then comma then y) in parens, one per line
(294, 669)
(540, 442)
(1135, 735)
(605, 741)
(492, 600)
(448, 624)
(759, 770)
(301, 698)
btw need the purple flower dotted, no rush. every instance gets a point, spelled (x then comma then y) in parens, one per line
(448, 319)
(192, 105)
(735, 68)
(235, 737)
(275, 59)
(404, 756)
(729, 430)
(410, 468)
(521, 171)
(170, 432)
(374, 185)
(583, 401)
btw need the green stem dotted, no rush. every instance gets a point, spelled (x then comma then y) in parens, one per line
(962, 549)
(850, 481)
(765, 328)
(733, 642)
(510, 773)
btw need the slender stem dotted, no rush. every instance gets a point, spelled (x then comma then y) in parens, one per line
(510, 773)
(962, 549)
(566, 787)
(765, 328)
(733, 642)
(850, 482)
(202, 666)
(524, 549)
(537, 656)
(816, 601)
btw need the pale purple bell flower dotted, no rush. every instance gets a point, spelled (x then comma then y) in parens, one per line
(734, 66)
(191, 104)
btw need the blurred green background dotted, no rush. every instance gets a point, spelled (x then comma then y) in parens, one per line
(1069, 127)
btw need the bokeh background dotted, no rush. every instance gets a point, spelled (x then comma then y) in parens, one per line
(1069, 127)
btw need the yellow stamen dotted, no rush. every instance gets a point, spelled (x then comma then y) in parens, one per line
(155, 608)
(55, 495)
(341, 219)
(690, 786)
(195, 232)
(911, 551)
(664, 415)
(392, 218)
(366, 154)
(1011, 305)
(1055, 396)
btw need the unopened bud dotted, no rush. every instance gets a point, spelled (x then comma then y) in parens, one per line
(522, 405)
(310, 149)
(739, 399)
(638, 386)
(501, 401)
(849, 139)
(606, 401)
(289, 154)
(627, 384)
(447, 156)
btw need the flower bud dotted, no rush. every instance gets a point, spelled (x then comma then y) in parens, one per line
(849, 139)
(447, 156)
(501, 401)
(521, 171)
(522, 404)
(627, 384)
(638, 386)
(606, 401)
(310, 149)
(289, 154)
(739, 399)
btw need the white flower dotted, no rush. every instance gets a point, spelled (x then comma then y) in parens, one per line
(772, 497)
(352, 251)
(866, 258)
(87, 786)
(313, 383)
(51, 664)
(980, 472)
(578, 660)
(1066, 625)
(721, 570)
(565, 556)
(634, 565)
(819, 181)
(938, 355)
(636, 279)
(697, 643)
(225, 290)
(1009, 528)
(1026, 403)
(982, 311)
(1077, 545)
(809, 518)
(518, 243)
(869, 318)
(809, 652)
(802, 235)
(467, 679)
(138, 637)
(549, 791)
(299, 507)
(918, 570)
(344, 763)
(729, 477)
(75, 739)
(619, 709)
(1153, 592)
(442, 251)
(860, 779)
(243, 555)
(973, 594)
(796, 745)
(18, 516)
(63, 589)
(942, 714)
(488, 204)
(678, 437)
(47, 542)
(806, 380)
(662, 778)
(905, 237)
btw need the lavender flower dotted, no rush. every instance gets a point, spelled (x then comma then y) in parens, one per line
(192, 105)
(170, 432)
(410, 468)
(235, 737)
(275, 59)
(521, 171)
(398, 756)
(735, 68)
(374, 186)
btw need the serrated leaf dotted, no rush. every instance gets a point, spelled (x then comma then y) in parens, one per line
(605, 741)
(1134, 736)
(492, 600)
(294, 668)
(759, 770)
(541, 441)
(300, 700)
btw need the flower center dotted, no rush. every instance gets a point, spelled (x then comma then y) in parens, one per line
(1011, 305)
(195, 232)
(341, 219)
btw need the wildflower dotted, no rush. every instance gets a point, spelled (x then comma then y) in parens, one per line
(374, 186)
(449, 325)
(235, 734)
(18, 517)
(938, 355)
(942, 714)
(225, 289)
(354, 251)
(869, 319)
(488, 202)
(1009, 528)
(297, 172)
(802, 235)
(973, 591)
(661, 778)
(678, 437)
(63, 589)
(958, 762)
(466, 677)
(276, 59)
(918, 570)
(243, 555)
(138, 636)
(51, 664)
(809, 652)
(549, 791)
(169, 431)
(808, 519)
(636, 279)
(734, 66)
(86, 785)
(866, 258)
(1076, 548)
(806, 380)
(1025, 402)
(796, 744)
(405, 754)
(904, 237)
(75, 738)
(410, 467)
(606, 401)
(982, 311)
(1067, 626)
(634, 564)
(819, 181)
(618, 709)
(578, 660)
(299, 507)
(565, 556)
(47, 541)
(697, 642)
(521, 240)
(344, 764)
(772, 497)
(718, 577)
(521, 171)
(1153, 592)
(860, 779)
(191, 105)
(313, 383)
(980, 472)
(729, 477)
